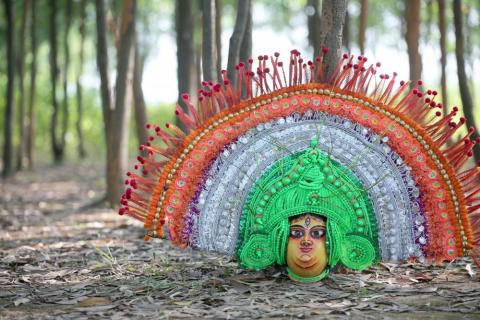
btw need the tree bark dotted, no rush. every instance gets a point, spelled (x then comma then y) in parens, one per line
(138, 99)
(66, 63)
(218, 35)
(81, 147)
(30, 140)
(443, 51)
(236, 39)
(21, 83)
(346, 30)
(331, 30)
(468, 108)
(412, 37)
(57, 148)
(313, 21)
(186, 73)
(118, 143)
(362, 27)
(209, 32)
(246, 46)
(8, 147)
(102, 63)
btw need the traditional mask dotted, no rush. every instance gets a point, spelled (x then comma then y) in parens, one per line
(306, 249)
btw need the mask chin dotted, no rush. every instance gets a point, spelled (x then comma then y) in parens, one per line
(298, 278)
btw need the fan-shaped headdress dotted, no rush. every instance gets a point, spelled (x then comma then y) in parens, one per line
(367, 153)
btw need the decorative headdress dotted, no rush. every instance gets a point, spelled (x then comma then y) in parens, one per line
(369, 155)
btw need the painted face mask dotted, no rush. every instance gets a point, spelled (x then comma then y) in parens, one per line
(259, 160)
(306, 249)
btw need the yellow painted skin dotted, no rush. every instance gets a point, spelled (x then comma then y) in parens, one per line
(306, 250)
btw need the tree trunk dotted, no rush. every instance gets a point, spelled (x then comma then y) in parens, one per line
(57, 149)
(209, 32)
(66, 63)
(362, 26)
(81, 147)
(218, 35)
(346, 30)
(118, 142)
(331, 30)
(412, 37)
(443, 51)
(30, 140)
(186, 73)
(21, 77)
(313, 21)
(138, 99)
(236, 39)
(7, 147)
(246, 47)
(102, 63)
(468, 108)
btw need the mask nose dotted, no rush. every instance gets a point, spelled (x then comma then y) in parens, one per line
(306, 241)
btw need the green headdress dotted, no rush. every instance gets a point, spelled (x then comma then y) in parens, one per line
(308, 182)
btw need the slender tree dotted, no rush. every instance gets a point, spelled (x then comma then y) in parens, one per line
(186, 73)
(313, 21)
(236, 39)
(362, 26)
(116, 118)
(246, 46)
(30, 141)
(412, 37)
(346, 30)
(332, 20)
(209, 50)
(21, 82)
(442, 28)
(57, 147)
(138, 98)
(81, 147)
(468, 108)
(65, 68)
(8, 147)
(218, 35)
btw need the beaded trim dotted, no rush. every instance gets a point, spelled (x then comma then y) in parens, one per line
(212, 218)
(438, 159)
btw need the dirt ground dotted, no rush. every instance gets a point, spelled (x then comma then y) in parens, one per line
(59, 261)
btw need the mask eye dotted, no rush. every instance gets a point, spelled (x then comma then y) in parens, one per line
(317, 233)
(297, 233)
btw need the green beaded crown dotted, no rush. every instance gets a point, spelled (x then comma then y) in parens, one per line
(308, 182)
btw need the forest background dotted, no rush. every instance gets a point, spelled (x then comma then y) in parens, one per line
(63, 56)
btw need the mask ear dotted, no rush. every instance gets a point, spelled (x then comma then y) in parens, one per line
(257, 252)
(357, 252)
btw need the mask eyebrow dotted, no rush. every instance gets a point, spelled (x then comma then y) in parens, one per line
(297, 226)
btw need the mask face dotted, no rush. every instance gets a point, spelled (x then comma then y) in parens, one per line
(306, 250)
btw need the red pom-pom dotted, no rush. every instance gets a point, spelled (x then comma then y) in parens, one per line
(185, 96)
(324, 50)
(147, 126)
(167, 125)
(345, 56)
(402, 83)
(276, 54)
(419, 82)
